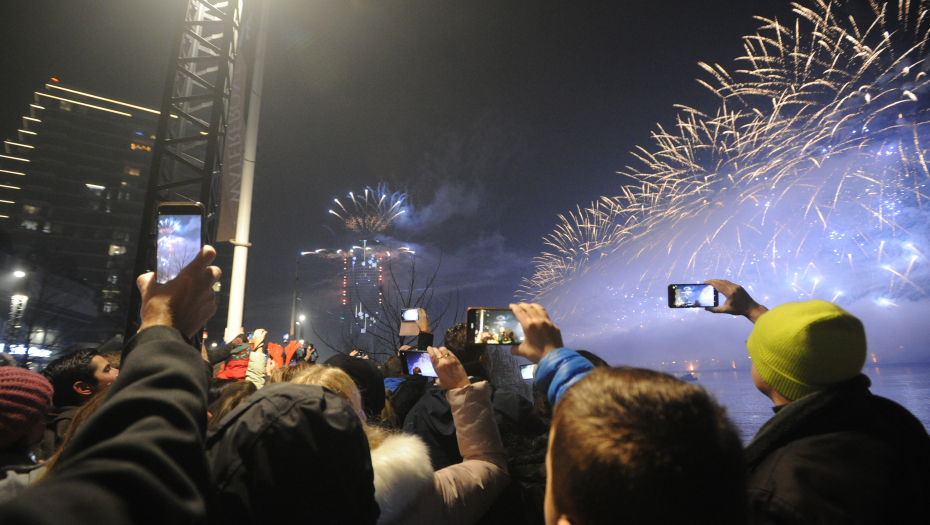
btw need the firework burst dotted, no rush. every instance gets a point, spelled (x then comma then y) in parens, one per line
(372, 212)
(810, 177)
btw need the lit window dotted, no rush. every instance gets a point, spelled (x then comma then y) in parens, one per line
(47, 228)
(113, 278)
(30, 225)
(110, 307)
(65, 106)
(131, 171)
(117, 250)
(143, 147)
(31, 210)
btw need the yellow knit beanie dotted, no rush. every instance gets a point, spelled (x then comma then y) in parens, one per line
(800, 348)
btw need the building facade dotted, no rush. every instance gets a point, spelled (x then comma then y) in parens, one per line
(72, 186)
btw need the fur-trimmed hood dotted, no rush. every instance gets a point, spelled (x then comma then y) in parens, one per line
(402, 471)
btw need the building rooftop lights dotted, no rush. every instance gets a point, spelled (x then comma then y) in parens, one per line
(123, 113)
(10, 187)
(11, 143)
(95, 186)
(12, 172)
(14, 158)
(52, 86)
(27, 131)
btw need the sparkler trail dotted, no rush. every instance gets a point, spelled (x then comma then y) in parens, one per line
(372, 212)
(810, 178)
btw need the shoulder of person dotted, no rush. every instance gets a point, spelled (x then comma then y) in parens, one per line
(402, 470)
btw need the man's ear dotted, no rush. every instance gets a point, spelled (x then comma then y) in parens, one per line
(563, 520)
(83, 387)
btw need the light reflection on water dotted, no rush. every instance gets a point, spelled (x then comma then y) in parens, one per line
(907, 385)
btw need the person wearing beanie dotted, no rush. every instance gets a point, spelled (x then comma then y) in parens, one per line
(833, 452)
(25, 398)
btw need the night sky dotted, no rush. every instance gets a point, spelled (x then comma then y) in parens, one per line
(495, 116)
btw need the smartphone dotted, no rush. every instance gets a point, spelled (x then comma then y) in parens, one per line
(424, 340)
(251, 336)
(417, 363)
(526, 371)
(493, 326)
(180, 237)
(692, 296)
(411, 314)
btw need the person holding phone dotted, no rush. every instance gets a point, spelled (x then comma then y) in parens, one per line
(833, 452)
(140, 459)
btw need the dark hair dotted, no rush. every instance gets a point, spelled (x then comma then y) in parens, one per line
(217, 387)
(394, 367)
(63, 372)
(455, 339)
(593, 359)
(467, 352)
(229, 399)
(628, 441)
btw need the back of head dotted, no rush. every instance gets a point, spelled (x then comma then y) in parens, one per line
(291, 453)
(394, 367)
(231, 397)
(367, 378)
(25, 398)
(336, 380)
(467, 352)
(645, 447)
(63, 372)
(800, 348)
(296, 369)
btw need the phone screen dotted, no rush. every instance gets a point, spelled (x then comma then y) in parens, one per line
(691, 295)
(418, 363)
(179, 241)
(494, 326)
(527, 371)
(411, 314)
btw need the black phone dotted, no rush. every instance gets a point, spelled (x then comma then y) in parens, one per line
(180, 237)
(527, 371)
(493, 326)
(417, 363)
(692, 296)
(424, 340)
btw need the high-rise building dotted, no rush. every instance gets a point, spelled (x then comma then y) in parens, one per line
(72, 184)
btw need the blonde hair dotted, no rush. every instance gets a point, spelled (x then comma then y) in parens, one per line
(336, 380)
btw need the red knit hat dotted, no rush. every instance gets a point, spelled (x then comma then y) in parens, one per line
(25, 397)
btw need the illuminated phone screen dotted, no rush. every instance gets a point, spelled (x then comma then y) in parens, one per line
(178, 244)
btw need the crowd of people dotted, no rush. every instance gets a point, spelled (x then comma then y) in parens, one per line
(252, 432)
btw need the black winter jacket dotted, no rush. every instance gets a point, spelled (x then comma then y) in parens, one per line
(841, 455)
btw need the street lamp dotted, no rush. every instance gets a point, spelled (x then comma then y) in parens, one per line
(296, 281)
(19, 274)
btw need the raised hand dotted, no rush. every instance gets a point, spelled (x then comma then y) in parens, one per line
(185, 302)
(448, 367)
(738, 300)
(541, 334)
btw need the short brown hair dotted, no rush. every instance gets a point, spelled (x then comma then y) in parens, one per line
(629, 441)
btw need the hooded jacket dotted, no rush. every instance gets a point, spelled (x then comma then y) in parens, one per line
(840, 455)
(297, 440)
(407, 489)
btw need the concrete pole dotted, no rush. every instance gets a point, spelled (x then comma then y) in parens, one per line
(243, 221)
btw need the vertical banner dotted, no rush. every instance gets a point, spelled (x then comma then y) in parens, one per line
(236, 120)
